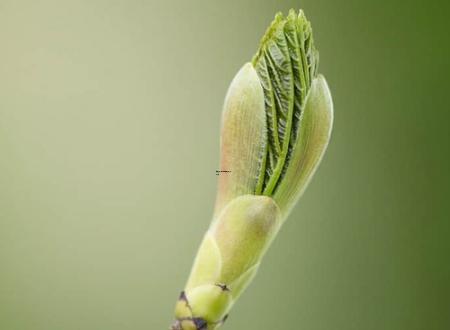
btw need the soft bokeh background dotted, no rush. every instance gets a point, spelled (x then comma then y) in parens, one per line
(109, 128)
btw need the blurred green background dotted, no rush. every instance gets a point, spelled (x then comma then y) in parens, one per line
(109, 130)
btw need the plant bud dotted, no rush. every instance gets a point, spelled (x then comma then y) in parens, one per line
(276, 125)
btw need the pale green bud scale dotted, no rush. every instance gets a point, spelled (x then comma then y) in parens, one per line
(243, 137)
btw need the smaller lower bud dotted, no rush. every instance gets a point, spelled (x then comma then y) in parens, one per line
(210, 302)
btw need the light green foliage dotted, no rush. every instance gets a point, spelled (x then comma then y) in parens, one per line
(276, 125)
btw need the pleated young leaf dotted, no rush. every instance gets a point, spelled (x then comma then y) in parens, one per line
(286, 64)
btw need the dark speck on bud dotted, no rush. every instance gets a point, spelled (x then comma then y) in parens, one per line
(224, 287)
(182, 296)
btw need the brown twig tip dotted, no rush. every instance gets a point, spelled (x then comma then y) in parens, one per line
(176, 326)
(197, 322)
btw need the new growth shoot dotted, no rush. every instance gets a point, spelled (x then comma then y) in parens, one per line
(276, 124)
